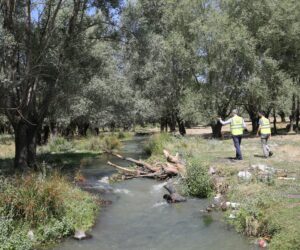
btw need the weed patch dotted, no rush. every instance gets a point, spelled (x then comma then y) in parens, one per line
(51, 208)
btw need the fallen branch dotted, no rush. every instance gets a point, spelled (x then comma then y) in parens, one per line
(138, 163)
(170, 169)
(171, 158)
(126, 170)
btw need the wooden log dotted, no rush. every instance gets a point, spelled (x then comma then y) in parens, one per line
(126, 170)
(170, 169)
(171, 158)
(159, 175)
(138, 163)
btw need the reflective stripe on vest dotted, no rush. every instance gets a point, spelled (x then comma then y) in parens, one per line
(265, 126)
(236, 125)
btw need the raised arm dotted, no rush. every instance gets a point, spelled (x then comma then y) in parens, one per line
(225, 122)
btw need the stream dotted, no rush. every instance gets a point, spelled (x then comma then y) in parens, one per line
(139, 219)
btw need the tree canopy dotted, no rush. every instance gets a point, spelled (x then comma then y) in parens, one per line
(110, 63)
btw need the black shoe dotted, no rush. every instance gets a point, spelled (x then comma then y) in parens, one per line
(236, 159)
(270, 153)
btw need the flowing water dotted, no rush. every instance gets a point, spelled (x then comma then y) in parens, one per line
(139, 219)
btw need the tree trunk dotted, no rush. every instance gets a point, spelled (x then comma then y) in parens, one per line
(274, 121)
(181, 126)
(292, 116)
(25, 146)
(297, 114)
(254, 122)
(162, 124)
(282, 116)
(216, 130)
(172, 123)
(46, 134)
(31, 146)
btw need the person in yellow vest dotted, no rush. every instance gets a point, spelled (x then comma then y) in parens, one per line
(237, 126)
(264, 130)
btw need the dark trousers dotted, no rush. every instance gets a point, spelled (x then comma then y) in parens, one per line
(237, 139)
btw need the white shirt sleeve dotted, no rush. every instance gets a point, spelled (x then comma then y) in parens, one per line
(225, 122)
(244, 124)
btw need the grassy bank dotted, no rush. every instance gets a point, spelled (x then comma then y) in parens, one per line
(269, 207)
(36, 211)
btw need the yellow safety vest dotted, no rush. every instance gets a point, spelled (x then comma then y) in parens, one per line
(265, 126)
(236, 126)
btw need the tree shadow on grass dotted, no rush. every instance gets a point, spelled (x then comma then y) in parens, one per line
(259, 156)
(6, 165)
(65, 160)
(68, 161)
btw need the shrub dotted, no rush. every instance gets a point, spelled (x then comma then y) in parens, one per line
(197, 182)
(94, 144)
(157, 143)
(124, 135)
(110, 143)
(59, 144)
(12, 237)
(51, 207)
(121, 135)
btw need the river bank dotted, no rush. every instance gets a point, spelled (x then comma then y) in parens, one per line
(269, 208)
(39, 208)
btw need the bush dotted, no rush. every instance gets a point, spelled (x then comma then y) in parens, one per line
(124, 135)
(121, 135)
(110, 143)
(157, 143)
(94, 144)
(12, 237)
(51, 207)
(59, 144)
(197, 182)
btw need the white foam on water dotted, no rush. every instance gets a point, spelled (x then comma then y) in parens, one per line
(122, 191)
(104, 179)
(160, 204)
(157, 187)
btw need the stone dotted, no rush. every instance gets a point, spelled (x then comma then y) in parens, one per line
(231, 216)
(245, 175)
(233, 205)
(30, 235)
(212, 171)
(218, 199)
(81, 235)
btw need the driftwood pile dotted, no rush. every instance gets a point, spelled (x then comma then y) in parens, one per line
(160, 170)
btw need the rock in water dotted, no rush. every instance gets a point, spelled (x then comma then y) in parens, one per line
(81, 235)
(174, 198)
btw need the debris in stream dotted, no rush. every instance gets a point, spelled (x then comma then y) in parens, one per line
(159, 170)
(262, 243)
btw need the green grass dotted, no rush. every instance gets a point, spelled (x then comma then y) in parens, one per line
(51, 208)
(156, 143)
(266, 210)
